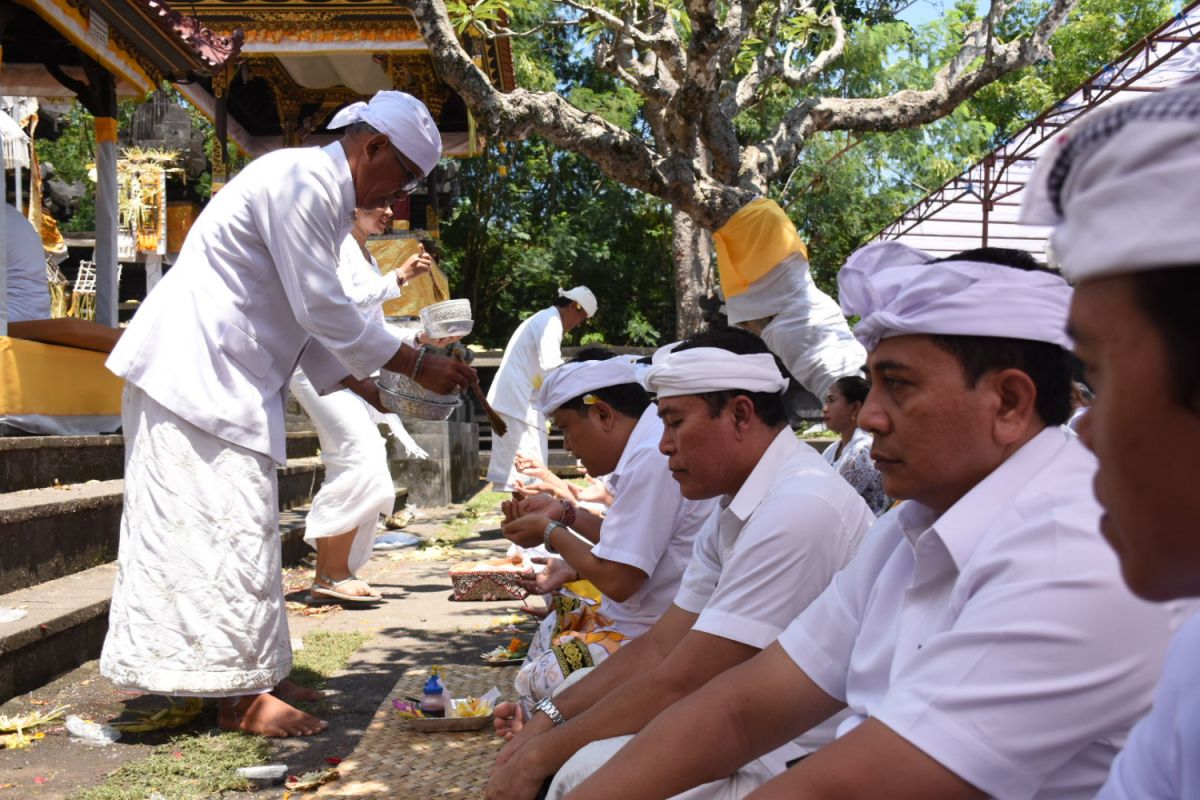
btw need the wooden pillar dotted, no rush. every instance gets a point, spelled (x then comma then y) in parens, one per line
(3, 242)
(104, 94)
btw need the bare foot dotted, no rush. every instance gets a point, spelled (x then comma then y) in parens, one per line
(508, 719)
(266, 715)
(292, 692)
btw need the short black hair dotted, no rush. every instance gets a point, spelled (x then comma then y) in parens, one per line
(562, 302)
(768, 406)
(1049, 366)
(1168, 298)
(854, 388)
(629, 399)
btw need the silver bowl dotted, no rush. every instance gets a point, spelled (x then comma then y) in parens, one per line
(448, 318)
(404, 396)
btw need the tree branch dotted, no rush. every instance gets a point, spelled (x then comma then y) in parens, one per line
(956, 81)
(799, 78)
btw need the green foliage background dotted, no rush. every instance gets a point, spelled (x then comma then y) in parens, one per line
(531, 218)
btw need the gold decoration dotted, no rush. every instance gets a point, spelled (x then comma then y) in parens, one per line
(414, 73)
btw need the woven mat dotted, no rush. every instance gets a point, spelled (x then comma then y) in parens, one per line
(393, 761)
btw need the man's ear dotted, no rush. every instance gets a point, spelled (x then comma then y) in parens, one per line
(605, 416)
(1016, 404)
(741, 408)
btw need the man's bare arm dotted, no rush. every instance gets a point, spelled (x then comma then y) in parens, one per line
(629, 707)
(869, 762)
(741, 714)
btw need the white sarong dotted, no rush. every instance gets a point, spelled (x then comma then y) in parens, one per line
(197, 608)
(528, 440)
(592, 757)
(358, 486)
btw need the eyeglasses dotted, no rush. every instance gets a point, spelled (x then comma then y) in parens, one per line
(414, 176)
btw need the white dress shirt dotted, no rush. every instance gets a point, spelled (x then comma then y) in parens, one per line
(534, 349)
(1162, 759)
(998, 638)
(770, 550)
(650, 526)
(254, 293)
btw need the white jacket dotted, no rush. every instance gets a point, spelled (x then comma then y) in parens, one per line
(255, 293)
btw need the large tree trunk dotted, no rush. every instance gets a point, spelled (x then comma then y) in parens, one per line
(691, 245)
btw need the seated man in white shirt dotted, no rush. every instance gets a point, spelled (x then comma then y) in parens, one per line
(1134, 323)
(644, 542)
(786, 522)
(982, 639)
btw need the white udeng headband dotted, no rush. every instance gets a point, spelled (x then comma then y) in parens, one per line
(897, 290)
(403, 119)
(1122, 187)
(712, 369)
(578, 378)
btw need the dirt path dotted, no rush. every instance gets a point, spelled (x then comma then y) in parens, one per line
(417, 626)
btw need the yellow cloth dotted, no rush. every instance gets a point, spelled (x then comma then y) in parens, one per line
(421, 291)
(584, 589)
(55, 381)
(752, 242)
(106, 129)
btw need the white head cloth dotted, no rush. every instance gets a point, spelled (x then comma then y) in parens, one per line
(582, 295)
(711, 369)
(807, 330)
(1122, 186)
(580, 377)
(897, 290)
(403, 119)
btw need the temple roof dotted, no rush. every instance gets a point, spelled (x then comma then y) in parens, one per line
(301, 60)
(141, 42)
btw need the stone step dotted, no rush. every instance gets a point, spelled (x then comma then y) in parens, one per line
(68, 616)
(54, 532)
(35, 462)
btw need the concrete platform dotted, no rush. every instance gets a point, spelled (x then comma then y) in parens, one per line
(68, 616)
(33, 462)
(52, 532)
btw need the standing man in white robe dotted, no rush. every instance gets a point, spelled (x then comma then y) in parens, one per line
(534, 349)
(198, 609)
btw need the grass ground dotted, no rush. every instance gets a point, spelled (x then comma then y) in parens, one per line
(202, 765)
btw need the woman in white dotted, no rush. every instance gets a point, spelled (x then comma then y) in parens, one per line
(851, 455)
(358, 486)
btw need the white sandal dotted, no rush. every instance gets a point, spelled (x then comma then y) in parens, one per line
(332, 592)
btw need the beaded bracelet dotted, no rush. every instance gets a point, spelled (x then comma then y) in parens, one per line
(568, 514)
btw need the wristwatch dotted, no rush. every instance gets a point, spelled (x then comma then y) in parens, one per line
(547, 707)
(546, 535)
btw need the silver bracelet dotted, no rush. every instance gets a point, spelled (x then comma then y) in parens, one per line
(547, 707)
(546, 535)
(420, 360)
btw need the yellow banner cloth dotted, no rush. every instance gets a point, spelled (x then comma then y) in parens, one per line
(55, 381)
(421, 291)
(752, 242)
(106, 129)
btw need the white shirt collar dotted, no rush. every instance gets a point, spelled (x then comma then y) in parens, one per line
(762, 477)
(341, 168)
(648, 426)
(959, 528)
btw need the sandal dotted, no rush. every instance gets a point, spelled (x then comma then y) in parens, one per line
(331, 591)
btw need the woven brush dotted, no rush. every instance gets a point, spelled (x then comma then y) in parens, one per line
(494, 419)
